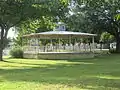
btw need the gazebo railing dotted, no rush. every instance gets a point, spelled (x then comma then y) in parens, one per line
(59, 48)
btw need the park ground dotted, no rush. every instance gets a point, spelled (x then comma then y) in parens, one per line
(101, 73)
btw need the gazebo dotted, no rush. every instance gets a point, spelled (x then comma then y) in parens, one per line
(59, 44)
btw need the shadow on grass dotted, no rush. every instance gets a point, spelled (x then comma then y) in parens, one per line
(102, 73)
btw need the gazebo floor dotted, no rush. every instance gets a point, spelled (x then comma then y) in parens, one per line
(59, 55)
(64, 55)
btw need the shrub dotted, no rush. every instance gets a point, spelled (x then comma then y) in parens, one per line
(16, 52)
(113, 50)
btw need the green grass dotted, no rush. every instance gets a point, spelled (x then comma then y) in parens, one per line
(86, 74)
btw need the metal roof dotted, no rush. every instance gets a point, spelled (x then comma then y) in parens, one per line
(66, 33)
(60, 34)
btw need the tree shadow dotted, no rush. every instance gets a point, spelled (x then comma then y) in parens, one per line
(85, 73)
(75, 74)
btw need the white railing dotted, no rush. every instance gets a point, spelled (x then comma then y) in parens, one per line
(59, 48)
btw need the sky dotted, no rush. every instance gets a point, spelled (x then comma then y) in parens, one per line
(12, 33)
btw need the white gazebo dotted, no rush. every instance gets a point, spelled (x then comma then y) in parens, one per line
(58, 44)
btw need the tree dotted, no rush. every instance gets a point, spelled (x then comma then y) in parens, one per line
(14, 12)
(107, 38)
(101, 16)
(7, 41)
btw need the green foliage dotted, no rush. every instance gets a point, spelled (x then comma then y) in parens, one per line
(36, 26)
(117, 17)
(16, 11)
(31, 16)
(48, 13)
(16, 52)
(18, 41)
(96, 16)
(107, 37)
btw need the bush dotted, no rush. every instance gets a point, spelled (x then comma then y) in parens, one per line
(113, 50)
(16, 52)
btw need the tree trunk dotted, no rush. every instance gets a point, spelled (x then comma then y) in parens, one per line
(118, 42)
(1, 43)
(1, 54)
(3, 37)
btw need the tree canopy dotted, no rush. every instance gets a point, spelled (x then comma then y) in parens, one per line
(97, 16)
(14, 12)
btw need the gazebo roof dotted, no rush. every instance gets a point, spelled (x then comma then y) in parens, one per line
(66, 33)
(59, 34)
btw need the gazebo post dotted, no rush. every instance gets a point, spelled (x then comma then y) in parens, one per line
(74, 44)
(38, 44)
(28, 44)
(59, 45)
(70, 42)
(56, 45)
(93, 42)
(46, 47)
(51, 46)
(35, 45)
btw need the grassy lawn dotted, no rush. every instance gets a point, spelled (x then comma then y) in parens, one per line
(86, 74)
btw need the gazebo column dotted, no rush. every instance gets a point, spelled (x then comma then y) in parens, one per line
(37, 44)
(89, 47)
(56, 46)
(46, 46)
(28, 45)
(24, 44)
(43, 45)
(32, 45)
(70, 43)
(79, 45)
(35, 47)
(75, 44)
(59, 45)
(51, 46)
(93, 44)
(84, 47)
